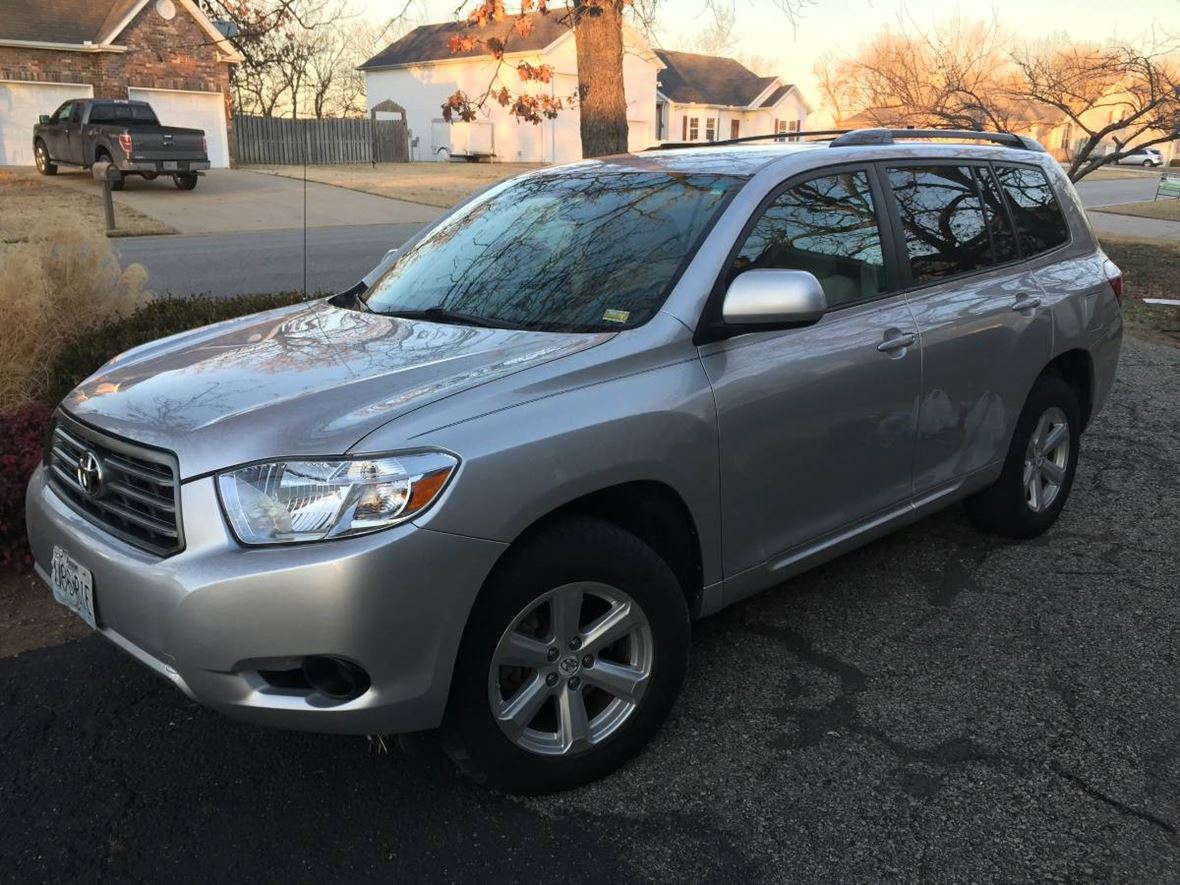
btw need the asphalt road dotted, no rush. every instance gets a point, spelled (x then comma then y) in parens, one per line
(262, 261)
(1118, 190)
(937, 706)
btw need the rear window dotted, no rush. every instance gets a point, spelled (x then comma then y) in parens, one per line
(1039, 222)
(122, 113)
(942, 220)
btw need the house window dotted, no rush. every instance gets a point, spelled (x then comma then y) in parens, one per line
(694, 128)
(711, 129)
(659, 121)
(793, 126)
(735, 128)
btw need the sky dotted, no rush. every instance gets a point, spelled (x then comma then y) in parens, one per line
(839, 26)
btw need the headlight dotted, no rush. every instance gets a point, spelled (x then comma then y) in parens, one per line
(289, 501)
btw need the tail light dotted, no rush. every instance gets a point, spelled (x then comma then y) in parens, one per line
(204, 145)
(125, 143)
(1114, 278)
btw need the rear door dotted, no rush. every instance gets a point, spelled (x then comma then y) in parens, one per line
(985, 333)
(816, 424)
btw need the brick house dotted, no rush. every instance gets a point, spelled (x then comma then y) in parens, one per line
(166, 52)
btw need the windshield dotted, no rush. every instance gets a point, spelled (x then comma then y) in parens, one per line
(586, 249)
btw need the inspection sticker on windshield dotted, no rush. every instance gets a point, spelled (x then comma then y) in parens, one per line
(616, 316)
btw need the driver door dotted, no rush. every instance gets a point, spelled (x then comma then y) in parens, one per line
(816, 424)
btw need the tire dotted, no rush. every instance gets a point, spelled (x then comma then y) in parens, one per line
(1007, 507)
(149, 176)
(45, 165)
(1147, 164)
(185, 181)
(578, 557)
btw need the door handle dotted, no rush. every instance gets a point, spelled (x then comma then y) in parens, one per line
(899, 341)
(1026, 302)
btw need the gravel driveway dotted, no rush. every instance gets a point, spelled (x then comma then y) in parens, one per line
(938, 705)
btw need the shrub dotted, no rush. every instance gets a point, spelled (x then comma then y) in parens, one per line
(23, 431)
(156, 319)
(64, 281)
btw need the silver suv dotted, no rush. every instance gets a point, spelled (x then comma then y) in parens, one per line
(591, 404)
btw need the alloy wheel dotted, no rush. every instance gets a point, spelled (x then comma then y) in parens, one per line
(1046, 460)
(571, 669)
(39, 154)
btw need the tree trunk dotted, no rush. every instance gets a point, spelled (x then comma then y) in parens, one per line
(598, 38)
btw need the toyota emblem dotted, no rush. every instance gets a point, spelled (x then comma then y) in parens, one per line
(89, 473)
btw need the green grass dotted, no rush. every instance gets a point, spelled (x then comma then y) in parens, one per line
(156, 319)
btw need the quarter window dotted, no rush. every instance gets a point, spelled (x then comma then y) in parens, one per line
(998, 223)
(828, 227)
(1039, 222)
(942, 220)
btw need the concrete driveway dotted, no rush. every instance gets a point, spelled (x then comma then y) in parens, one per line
(940, 706)
(235, 200)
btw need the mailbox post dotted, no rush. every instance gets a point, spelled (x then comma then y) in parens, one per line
(107, 173)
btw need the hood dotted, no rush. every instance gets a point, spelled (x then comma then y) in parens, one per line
(306, 380)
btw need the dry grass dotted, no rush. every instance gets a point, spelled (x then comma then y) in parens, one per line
(26, 196)
(1113, 173)
(433, 184)
(1151, 269)
(1164, 209)
(63, 280)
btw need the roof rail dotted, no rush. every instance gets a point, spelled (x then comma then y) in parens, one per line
(850, 137)
(890, 136)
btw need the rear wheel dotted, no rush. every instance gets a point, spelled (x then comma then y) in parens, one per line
(149, 176)
(186, 181)
(41, 155)
(572, 658)
(1039, 469)
(1147, 164)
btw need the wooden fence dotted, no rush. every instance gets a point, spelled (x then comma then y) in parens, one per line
(330, 141)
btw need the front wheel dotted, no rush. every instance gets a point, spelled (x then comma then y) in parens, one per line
(186, 181)
(1039, 469)
(571, 660)
(41, 156)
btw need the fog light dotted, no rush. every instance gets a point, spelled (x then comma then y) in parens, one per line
(335, 678)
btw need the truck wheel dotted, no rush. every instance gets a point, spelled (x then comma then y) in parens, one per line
(1038, 472)
(573, 654)
(44, 165)
(186, 181)
(150, 176)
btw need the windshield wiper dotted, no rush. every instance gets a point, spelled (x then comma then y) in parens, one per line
(446, 315)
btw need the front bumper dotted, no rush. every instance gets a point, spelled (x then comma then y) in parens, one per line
(215, 616)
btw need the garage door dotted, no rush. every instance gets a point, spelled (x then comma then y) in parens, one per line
(194, 110)
(20, 106)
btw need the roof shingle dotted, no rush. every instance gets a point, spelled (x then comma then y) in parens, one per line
(430, 42)
(711, 79)
(56, 21)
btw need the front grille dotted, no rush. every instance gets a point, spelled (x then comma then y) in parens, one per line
(136, 499)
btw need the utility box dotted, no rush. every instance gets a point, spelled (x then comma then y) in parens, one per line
(467, 141)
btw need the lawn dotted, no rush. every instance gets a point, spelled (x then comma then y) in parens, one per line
(1112, 173)
(1151, 269)
(434, 184)
(1166, 209)
(26, 196)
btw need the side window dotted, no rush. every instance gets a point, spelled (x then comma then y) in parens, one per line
(1039, 221)
(941, 219)
(998, 223)
(828, 227)
(62, 114)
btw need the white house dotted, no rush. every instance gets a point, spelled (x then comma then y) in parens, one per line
(420, 72)
(710, 98)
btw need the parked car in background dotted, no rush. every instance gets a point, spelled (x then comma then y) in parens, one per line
(127, 134)
(487, 494)
(1142, 157)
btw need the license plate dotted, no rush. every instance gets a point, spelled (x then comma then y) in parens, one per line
(170, 166)
(73, 585)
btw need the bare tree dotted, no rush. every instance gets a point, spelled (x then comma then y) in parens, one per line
(1121, 95)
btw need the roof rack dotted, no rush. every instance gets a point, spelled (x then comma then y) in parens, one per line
(851, 137)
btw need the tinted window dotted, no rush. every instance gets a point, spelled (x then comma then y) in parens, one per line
(998, 223)
(62, 114)
(941, 219)
(121, 113)
(1038, 218)
(828, 227)
(582, 249)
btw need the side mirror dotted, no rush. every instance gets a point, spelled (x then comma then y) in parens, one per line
(773, 299)
(43, 119)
